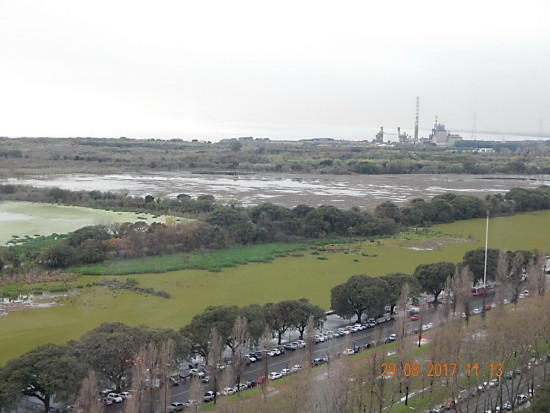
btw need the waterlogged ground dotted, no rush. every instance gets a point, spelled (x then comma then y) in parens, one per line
(27, 219)
(284, 278)
(343, 191)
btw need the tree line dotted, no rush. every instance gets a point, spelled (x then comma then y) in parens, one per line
(321, 156)
(218, 225)
(125, 356)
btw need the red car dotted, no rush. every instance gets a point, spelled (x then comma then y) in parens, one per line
(488, 307)
(415, 317)
(261, 380)
(450, 404)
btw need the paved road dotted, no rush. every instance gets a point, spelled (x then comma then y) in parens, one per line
(329, 348)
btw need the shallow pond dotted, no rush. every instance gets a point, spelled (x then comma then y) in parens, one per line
(344, 191)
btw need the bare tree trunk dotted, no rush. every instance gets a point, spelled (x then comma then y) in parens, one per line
(87, 399)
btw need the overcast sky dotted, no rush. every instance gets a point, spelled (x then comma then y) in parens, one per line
(282, 68)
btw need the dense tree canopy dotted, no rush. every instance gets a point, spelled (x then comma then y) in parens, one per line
(359, 295)
(198, 331)
(45, 372)
(432, 277)
(475, 260)
(396, 281)
(110, 350)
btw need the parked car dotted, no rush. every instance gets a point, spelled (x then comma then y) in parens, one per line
(248, 359)
(300, 343)
(521, 399)
(450, 404)
(493, 383)
(476, 311)
(209, 396)
(391, 338)
(349, 351)
(274, 375)
(228, 391)
(318, 361)
(286, 372)
(190, 403)
(507, 406)
(296, 368)
(176, 407)
(415, 317)
(290, 346)
(115, 397)
(427, 327)
(261, 380)
(196, 372)
(205, 379)
(250, 383)
(241, 386)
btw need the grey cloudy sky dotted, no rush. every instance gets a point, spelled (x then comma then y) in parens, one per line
(286, 68)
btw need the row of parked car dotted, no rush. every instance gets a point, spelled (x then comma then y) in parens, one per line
(109, 396)
(520, 399)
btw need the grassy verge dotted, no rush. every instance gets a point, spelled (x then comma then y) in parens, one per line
(211, 261)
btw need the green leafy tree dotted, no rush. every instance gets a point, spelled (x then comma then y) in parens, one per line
(358, 295)
(197, 332)
(388, 209)
(396, 281)
(432, 277)
(306, 312)
(255, 316)
(45, 372)
(110, 350)
(475, 260)
(280, 316)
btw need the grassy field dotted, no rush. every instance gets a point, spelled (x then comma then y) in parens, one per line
(27, 219)
(289, 277)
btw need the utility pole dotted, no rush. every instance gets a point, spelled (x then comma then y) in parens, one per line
(485, 266)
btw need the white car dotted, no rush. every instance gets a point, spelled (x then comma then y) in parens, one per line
(196, 372)
(476, 311)
(286, 372)
(115, 397)
(274, 375)
(296, 368)
(427, 327)
(349, 351)
(521, 399)
(493, 383)
(228, 391)
(300, 343)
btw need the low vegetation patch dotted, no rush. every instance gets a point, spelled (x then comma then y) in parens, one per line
(211, 261)
(131, 285)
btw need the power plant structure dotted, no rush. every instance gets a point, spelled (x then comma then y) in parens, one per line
(439, 135)
(401, 137)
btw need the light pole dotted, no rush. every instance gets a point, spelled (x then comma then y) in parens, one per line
(485, 267)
